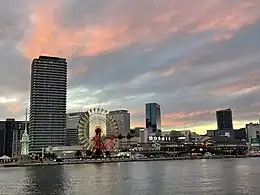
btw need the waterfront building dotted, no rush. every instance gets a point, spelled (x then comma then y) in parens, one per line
(224, 119)
(143, 135)
(72, 127)
(127, 143)
(2, 137)
(6, 138)
(47, 126)
(172, 133)
(65, 151)
(253, 132)
(211, 133)
(240, 134)
(153, 117)
(25, 139)
(10, 135)
(123, 121)
(135, 132)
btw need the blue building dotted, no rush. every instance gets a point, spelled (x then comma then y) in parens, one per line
(153, 117)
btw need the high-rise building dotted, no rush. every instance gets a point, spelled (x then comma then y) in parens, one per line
(153, 117)
(10, 135)
(123, 121)
(224, 119)
(47, 126)
(72, 127)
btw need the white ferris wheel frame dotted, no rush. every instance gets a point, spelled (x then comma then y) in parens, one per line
(90, 116)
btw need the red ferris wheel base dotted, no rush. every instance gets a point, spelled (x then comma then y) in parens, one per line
(99, 147)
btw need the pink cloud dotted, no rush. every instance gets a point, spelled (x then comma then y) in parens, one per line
(14, 108)
(223, 37)
(127, 22)
(183, 115)
(136, 112)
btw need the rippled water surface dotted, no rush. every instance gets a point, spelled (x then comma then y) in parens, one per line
(198, 177)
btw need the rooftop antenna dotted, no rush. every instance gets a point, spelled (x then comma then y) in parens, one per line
(25, 128)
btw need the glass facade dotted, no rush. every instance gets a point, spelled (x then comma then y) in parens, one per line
(153, 116)
(48, 95)
(224, 119)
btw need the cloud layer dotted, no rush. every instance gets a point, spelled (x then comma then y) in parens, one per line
(191, 59)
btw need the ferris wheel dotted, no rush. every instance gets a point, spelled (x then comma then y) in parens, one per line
(97, 131)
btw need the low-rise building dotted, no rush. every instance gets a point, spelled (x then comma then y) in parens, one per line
(65, 151)
(253, 132)
(136, 131)
(143, 135)
(211, 133)
(127, 143)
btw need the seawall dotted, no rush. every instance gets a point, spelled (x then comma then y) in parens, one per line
(96, 161)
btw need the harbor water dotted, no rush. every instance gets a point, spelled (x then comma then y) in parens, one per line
(187, 177)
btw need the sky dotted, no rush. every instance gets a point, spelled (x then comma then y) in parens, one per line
(191, 57)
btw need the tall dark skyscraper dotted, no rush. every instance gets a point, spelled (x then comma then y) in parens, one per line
(153, 116)
(47, 126)
(224, 119)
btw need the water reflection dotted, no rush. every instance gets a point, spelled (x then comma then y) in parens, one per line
(198, 177)
(11, 180)
(44, 180)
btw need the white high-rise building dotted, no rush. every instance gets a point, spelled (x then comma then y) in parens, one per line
(25, 139)
(123, 121)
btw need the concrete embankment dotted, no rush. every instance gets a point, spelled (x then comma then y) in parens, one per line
(95, 161)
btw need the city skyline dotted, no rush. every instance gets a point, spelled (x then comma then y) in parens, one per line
(192, 60)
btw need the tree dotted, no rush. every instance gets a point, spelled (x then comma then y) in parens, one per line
(120, 136)
(128, 136)
(52, 156)
(78, 154)
(88, 153)
(47, 155)
(132, 131)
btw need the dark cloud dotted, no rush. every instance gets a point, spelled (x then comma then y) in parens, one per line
(187, 89)
(190, 59)
(80, 13)
(242, 44)
(14, 21)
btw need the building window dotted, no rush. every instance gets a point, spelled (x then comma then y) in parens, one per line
(257, 135)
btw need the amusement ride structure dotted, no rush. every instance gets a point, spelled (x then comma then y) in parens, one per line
(98, 132)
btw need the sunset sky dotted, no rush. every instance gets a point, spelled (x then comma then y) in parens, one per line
(190, 56)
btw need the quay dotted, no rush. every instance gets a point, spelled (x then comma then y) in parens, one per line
(98, 161)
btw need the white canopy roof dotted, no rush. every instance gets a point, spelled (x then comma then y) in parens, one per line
(5, 157)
